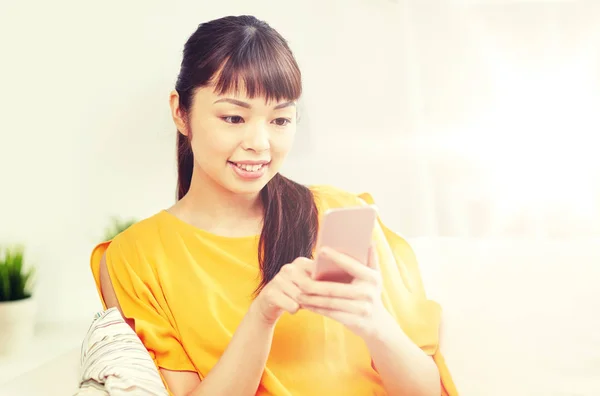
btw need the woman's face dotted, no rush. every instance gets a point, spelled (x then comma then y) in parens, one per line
(238, 142)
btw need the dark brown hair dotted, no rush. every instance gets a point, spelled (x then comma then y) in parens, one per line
(230, 52)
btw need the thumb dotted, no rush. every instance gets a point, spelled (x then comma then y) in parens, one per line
(305, 264)
(373, 261)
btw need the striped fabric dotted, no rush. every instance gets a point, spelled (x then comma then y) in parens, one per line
(115, 362)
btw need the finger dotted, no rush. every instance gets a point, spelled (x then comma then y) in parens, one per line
(344, 318)
(357, 307)
(350, 265)
(296, 275)
(286, 303)
(333, 289)
(373, 261)
(286, 283)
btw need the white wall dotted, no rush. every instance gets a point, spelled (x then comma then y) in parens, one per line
(85, 130)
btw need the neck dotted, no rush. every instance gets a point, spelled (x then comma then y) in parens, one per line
(209, 206)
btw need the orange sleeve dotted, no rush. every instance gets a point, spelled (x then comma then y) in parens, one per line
(140, 297)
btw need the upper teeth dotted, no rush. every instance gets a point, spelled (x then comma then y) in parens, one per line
(249, 168)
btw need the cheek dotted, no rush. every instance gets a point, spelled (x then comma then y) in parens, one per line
(214, 145)
(282, 143)
(210, 143)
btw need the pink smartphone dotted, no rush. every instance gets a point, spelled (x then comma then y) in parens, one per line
(349, 231)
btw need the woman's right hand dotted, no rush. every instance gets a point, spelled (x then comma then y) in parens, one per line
(281, 293)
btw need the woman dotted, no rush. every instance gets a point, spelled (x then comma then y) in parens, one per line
(219, 287)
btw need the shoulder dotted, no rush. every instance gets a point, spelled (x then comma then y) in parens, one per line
(136, 242)
(123, 255)
(143, 231)
(330, 197)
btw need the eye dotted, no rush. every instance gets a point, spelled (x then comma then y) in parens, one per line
(282, 121)
(233, 119)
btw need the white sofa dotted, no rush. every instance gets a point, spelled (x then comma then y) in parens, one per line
(521, 317)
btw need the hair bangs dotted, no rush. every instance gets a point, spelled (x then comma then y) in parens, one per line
(258, 67)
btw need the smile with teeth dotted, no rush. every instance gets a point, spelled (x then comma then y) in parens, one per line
(249, 168)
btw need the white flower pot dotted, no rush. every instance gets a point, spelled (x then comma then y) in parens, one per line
(17, 322)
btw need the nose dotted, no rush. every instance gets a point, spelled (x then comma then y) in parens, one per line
(256, 138)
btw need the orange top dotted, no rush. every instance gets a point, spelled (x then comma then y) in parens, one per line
(188, 290)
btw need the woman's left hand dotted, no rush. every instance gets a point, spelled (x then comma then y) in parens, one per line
(358, 304)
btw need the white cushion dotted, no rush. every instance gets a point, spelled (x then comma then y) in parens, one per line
(114, 360)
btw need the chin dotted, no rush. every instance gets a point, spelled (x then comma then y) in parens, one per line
(247, 187)
(245, 190)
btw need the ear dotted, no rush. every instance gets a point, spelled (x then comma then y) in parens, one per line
(177, 113)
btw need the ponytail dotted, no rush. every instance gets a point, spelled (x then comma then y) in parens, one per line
(289, 228)
(185, 165)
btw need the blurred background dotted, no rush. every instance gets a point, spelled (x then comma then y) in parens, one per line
(467, 120)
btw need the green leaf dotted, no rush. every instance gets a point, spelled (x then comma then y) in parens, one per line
(14, 277)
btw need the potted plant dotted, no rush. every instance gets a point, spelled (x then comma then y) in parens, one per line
(17, 307)
(117, 226)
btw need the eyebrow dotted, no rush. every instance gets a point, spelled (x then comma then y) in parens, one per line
(285, 104)
(247, 105)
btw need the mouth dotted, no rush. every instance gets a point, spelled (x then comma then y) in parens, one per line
(249, 167)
